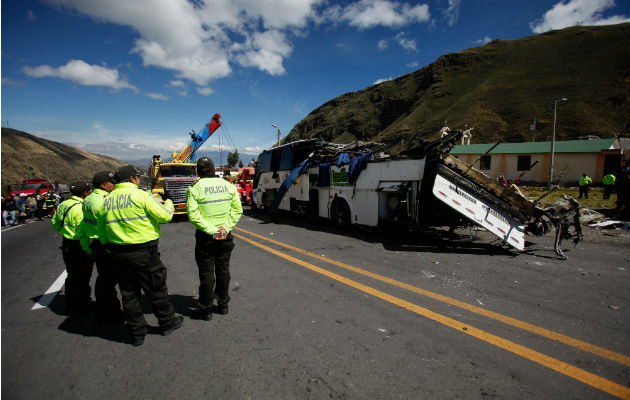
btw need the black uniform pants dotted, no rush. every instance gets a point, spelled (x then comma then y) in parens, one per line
(140, 269)
(213, 261)
(583, 190)
(608, 189)
(107, 303)
(79, 268)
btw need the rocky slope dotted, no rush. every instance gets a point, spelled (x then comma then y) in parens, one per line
(27, 156)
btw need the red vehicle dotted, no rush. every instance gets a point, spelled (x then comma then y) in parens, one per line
(244, 184)
(34, 186)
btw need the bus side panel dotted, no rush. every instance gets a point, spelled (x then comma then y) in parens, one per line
(393, 170)
(363, 203)
(298, 190)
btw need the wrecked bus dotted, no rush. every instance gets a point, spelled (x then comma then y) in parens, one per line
(359, 183)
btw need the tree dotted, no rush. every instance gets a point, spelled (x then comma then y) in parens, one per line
(240, 163)
(232, 159)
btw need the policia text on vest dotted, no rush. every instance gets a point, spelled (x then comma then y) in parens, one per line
(130, 224)
(214, 208)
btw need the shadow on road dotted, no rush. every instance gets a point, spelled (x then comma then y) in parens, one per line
(431, 240)
(87, 324)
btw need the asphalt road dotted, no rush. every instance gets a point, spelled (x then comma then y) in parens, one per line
(320, 313)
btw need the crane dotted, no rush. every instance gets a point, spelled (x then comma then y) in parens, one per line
(188, 152)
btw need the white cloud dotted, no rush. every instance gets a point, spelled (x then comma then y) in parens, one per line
(81, 73)
(195, 40)
(172, 34)
(413, 64)
(205, 91)
(278, 13)
(407, 44)
(577, 12)
(451, 14)
(9, 81)
(370, 13)
(201, 40)
(265, 50)
(30, 15)
(382, 44)
(382, 80)
(252, 150)
(157, 96)
(100, 129)
(179, 86)
(486, 39)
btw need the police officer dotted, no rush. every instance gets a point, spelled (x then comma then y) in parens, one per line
(130, 220)
(107, 303)
(609, 184)
(214, 208)
(75, 249)
(584, 183)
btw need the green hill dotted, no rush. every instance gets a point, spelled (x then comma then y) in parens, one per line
(27, 156)
(499, 89)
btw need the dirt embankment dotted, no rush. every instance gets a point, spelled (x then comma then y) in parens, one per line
(27, 156)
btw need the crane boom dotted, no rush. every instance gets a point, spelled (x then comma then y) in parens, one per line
(188, 153)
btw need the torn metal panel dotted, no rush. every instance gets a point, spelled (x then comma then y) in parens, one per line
(510, 194)
(423, 186)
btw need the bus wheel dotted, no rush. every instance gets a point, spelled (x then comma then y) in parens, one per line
(340, 213)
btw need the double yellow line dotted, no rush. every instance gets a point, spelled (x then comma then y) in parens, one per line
(581, 375)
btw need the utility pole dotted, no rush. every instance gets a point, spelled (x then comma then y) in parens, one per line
(553, 139)
(532, 129)
(276, 126)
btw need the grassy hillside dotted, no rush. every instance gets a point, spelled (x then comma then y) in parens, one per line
(499, 89)
(27, 156)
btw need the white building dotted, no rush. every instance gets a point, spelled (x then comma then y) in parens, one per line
(572, 158)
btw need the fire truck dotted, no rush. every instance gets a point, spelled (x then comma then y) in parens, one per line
(359, 183)
(175, 176)
(39, 186)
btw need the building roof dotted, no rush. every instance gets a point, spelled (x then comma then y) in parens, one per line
(565, 146)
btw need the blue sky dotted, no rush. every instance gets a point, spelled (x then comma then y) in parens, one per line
(131, 78)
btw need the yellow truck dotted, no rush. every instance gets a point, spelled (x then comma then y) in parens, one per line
(174, 177)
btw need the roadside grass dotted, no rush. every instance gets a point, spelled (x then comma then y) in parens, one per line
(595, 196)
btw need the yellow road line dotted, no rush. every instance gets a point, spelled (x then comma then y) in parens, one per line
(581, 375)
(588, 347)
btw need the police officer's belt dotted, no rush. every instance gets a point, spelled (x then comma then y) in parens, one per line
(125, 248)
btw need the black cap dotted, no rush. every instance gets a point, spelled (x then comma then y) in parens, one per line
(205, 163)
(205, 166)
(102, 177)
(78, 188)
(124, 173)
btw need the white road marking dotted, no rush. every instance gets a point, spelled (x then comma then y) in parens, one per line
(52, 291)
(9, 228)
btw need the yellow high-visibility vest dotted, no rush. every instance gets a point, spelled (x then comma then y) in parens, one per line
(131, 216)
(213, 202)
